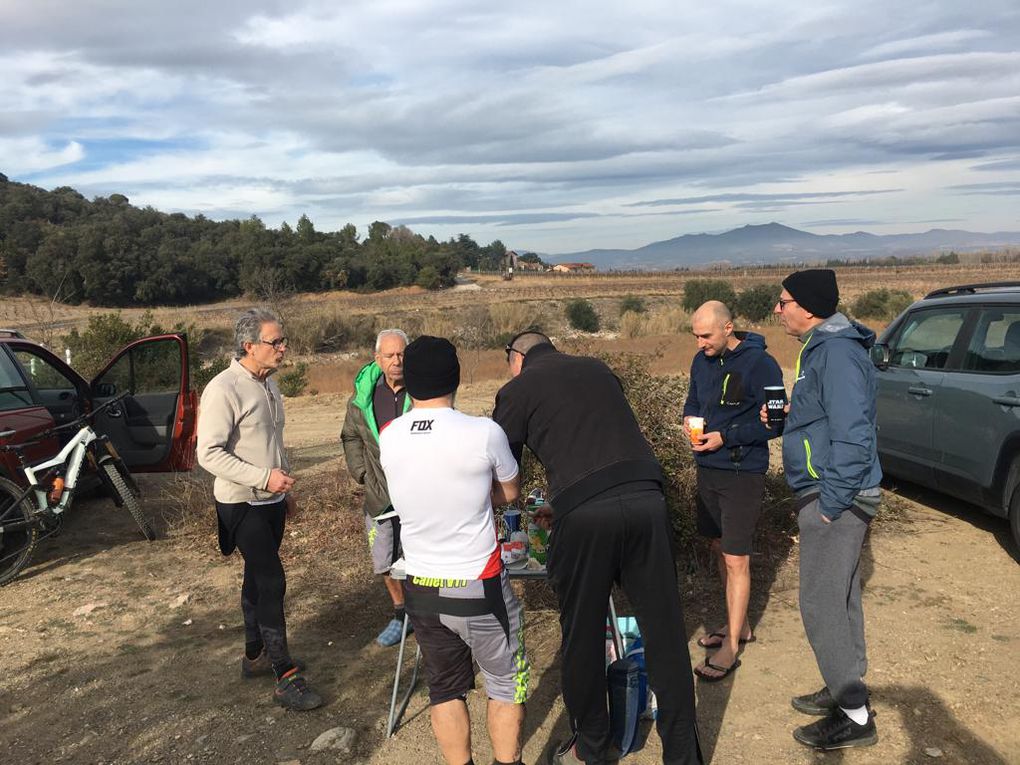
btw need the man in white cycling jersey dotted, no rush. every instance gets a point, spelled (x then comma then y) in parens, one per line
(445, 470)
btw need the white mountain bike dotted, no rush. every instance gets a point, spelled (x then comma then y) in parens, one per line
(28, 515)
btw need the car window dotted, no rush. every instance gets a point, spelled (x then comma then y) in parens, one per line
(41, 371)
(14, 392)
(154, 367)
(995, 346)
(926, 338)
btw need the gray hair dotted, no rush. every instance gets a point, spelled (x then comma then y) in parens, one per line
(386, 333)
(248, 328)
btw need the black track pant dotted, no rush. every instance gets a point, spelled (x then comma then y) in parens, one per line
(257, 531)
(625, 539)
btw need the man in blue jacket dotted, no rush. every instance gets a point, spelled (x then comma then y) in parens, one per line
(729, 375)
(831, 463)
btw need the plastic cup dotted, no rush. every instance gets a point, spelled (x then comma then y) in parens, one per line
(512, 519)
(697, 427)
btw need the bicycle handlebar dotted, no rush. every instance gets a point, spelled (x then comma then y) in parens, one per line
(76, 422)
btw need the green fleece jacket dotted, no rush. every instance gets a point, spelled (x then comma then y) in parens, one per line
(360, 439)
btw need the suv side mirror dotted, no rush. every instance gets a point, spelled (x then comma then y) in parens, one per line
(880, 355)
(105, 390)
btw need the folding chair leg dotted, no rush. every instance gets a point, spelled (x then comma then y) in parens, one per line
(396, 714)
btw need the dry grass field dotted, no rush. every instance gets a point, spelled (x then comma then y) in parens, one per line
(332, 331)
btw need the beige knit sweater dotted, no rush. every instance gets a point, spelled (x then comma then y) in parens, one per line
(240, 434)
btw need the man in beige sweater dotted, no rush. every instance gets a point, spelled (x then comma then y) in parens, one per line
(240, 441)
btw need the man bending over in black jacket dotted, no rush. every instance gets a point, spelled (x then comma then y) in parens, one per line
(609, 524)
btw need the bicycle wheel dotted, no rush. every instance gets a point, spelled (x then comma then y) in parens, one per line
(128, 498)
(15, 546)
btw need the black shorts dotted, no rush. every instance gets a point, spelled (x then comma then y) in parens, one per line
(729, 503)
(457, 620)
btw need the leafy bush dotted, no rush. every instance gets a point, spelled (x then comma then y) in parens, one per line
(697, 291)
(581, 315)
(632, 304)
(881, 304)
(202, 374)
(429, 278)
(294, 380)
(103, 336)
(756, 303)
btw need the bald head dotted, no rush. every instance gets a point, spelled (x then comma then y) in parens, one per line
(713, 311)
(712, 327)
(525, 341)
(519, 346)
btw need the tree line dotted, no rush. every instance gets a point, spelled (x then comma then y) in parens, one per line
(108, 252)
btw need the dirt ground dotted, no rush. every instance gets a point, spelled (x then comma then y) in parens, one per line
(121, 651)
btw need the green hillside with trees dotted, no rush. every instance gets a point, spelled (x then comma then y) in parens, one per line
(108, 252)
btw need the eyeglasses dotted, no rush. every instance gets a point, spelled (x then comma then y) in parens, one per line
(278, 343)
(510, 350)
(783, 303)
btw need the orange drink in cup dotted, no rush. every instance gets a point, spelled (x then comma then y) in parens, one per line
(697, 427)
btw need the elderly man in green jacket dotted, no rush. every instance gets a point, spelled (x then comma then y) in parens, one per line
(379, 397)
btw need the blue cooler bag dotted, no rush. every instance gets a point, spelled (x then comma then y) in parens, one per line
(628, 685)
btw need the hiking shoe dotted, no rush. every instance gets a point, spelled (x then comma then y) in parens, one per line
(837, 731)
(391, 633)
(292, 692)
(261, 665)
(819, 703)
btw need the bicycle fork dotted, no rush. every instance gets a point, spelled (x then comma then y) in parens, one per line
(108, 455)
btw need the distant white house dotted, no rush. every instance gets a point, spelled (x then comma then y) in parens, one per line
(574, 268)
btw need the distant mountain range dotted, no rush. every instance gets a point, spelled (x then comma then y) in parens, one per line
(776, 243)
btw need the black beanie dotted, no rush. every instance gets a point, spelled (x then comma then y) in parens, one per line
(814, 290)
(431, 368)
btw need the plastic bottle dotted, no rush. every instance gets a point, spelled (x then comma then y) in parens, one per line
(537, 539)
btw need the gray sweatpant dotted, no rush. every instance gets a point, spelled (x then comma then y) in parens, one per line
(830, 601)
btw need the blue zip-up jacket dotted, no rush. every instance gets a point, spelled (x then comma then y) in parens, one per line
(829, 443)
(728, 391)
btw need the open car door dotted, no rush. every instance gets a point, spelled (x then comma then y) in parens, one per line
(153, 428)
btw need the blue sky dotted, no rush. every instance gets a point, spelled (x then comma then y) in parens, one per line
(551, 126)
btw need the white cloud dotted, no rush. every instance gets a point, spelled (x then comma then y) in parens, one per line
(516, 117)
(31, 155)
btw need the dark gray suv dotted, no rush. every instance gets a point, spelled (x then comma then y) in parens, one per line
(949, 395)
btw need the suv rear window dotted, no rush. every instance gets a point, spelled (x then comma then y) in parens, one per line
(14, 393)
(995, 346)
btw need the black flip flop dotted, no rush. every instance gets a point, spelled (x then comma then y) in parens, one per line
(726, 671)
(722, 636)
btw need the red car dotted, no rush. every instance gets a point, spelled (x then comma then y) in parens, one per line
(153, 429)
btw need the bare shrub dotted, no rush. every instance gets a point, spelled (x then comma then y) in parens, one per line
(437, 325)
(325, 329)
(632, 324)
(668, 321)
(328, 520)
(189, 508)
(511, 318)
(494, 325)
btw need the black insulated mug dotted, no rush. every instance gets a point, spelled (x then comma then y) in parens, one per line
(775, 403)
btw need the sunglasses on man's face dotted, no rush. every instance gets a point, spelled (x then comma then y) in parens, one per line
(510, 350)
(278, 343)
